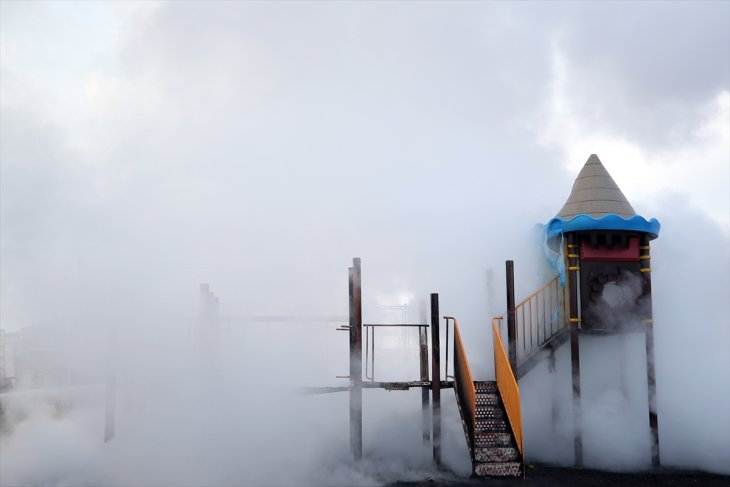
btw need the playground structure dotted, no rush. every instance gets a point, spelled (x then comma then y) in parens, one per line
(600, 249)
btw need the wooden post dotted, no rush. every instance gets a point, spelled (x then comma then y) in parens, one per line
(436, 378)
(511, 321)
(423, 352)
(649, 335)
(355, 360)
(574, 319)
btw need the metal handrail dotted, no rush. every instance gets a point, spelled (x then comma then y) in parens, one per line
(369, 329)
(539, 317)
(509, 391)
(369, 356)
(447, 318)
(464, 385)
(498, 320)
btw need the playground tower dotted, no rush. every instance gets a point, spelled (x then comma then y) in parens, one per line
(605, 263)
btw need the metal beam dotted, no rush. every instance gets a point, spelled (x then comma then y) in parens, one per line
(355, 360)
(397, 325)
(423, 355)
(388, 386)
(299, 319)
(649, 335)
(436, 378)
(511, 322)
(574, 320)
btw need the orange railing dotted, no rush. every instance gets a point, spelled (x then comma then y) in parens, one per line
(509, 391)
(498, 321)
(539, 317)
(464, 385)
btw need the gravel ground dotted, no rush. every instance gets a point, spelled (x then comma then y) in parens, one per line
(543, 476)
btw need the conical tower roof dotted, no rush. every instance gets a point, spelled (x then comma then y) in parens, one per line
(595, 193)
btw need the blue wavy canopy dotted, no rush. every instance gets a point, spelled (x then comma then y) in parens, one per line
(558, 226)
(636, 223)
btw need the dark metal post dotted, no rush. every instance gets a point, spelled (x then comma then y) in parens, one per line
(203, 320)
(208, 333)
(355, 360)
(423, 352)
(511, 325)
(111, 388)
(649, 334)
(573, 268)
(554, 399)
(436, 378)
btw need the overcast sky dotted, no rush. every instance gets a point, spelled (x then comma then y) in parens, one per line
(148, 147)
(181, 142)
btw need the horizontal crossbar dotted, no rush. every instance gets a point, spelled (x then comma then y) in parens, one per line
(388, 386)
(397, 325)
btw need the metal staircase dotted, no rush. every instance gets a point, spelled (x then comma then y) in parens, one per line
(490, 414)
(490, 410)
(495, 449)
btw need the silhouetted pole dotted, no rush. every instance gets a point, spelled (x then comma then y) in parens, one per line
(511, 325)
(574, 320)
(436, 378)
(111, 388)
(645, 253)
(208, 325)
(355, 360)
(423, 353)
(554, 403)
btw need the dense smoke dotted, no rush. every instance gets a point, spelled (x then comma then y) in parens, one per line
(691, 368)
(257, 147)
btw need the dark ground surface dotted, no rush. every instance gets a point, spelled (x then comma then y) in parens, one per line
(543, 476)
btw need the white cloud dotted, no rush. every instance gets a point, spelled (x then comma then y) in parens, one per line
(699, 167)
(260, 145)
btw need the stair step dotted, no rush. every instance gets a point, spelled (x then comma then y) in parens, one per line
(489, 387)
(499, 454)
(489, 412)
(498, 469)
(491, 425)
(487, 399)
(492, 439)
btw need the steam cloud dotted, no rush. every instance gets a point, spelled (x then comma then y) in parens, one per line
(259, 147)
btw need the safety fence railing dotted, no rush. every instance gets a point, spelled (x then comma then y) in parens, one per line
(508, 389)
(464, 385)
(369, 332)
(539, 317)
